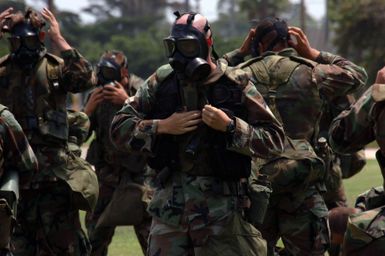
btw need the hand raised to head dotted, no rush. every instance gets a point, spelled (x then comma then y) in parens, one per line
(302, 46)
(6, 13)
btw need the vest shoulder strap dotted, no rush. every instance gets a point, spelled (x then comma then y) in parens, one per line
(2, 108)
(304, 61)
(53, 69)
(163, 72)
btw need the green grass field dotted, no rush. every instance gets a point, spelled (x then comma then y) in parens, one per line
(125, 243)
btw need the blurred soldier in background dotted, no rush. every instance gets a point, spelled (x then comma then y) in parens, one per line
(200, 121)
(34, 86)
(351, 131)
(15, 156)
(113, 167)
(296, 83)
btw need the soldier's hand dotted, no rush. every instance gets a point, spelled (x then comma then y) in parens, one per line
(180, 123)
(380, 79)
(302, 46)
(54, 30)
(215, 118)
(378, 88)
(5, 13)
(115, 93)
(94, 100)
(245, 48)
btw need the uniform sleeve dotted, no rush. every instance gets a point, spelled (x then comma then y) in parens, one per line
(130, 131)
(261, 135)
(234, 58)
(77, 74)
(18, 153)
(336, 76)
(354, 128)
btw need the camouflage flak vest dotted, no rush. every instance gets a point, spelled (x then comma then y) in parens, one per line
(298, 167)
(36, 99)
(202, 152)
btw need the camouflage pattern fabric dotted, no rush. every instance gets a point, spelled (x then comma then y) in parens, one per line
(49, 222)
(15, 154)
(365, 233)
(100, 237)
(15, 151)
(228, 236)
(342, 166)
(370, 199)
(48, 225)
(79, 126)
(356, 127)
(303, 229)
(191, 204)
(310, 86)
(110, 164)
(350, 131)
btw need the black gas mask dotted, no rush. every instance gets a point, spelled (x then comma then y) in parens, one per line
(25, 45)
(266, 26)
(187, 50)
(108, 71)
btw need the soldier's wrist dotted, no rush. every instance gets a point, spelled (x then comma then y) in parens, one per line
(230, 127)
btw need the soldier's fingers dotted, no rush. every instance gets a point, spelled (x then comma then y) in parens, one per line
(49, 13)
(209, 107)
(206, 119)
(6, 13)
(190, 128)
(297, 32)
(118, 85)
(193, 122)
(296, 29)
(46, 15)
(109, 92)
(194, 115)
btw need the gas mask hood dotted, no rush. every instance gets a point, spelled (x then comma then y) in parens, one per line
(25, 45)
(187, 49)
(108, 71)
(266, 26)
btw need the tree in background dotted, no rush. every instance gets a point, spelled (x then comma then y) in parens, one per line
(263, 8)
(359, 31)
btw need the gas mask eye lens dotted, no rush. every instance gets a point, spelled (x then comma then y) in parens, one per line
(169, 46)
(188, 47)
(32, 42)
(108, 73)
(14, 43)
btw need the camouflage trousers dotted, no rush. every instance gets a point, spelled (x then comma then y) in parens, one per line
(304, 230)
(101, 237)
(365, 233)
(335, 192)
(230, 235)
(48, 224)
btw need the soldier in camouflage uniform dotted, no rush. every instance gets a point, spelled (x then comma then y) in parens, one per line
(200, 121)
(115, 86)
(296, 83)
(15, 154)
(34, 86)
(352, 130)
